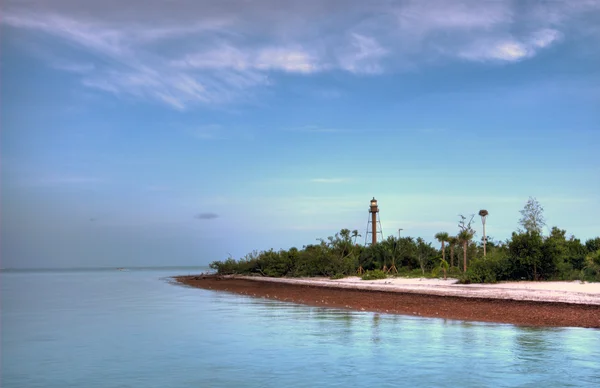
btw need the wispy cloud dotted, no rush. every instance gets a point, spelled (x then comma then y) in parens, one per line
(190, 52)
(75, 67)
(363, 56)
(286, 59)
(510, 49)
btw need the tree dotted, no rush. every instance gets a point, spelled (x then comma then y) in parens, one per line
(593, 244)
(443, 238)
(532, 216)
(444, 267)
(465, 236)
(483, 214)
(355, 235)
(452, 241)
(526, 253)
(391, 245)
(425, 254)
(407, 252)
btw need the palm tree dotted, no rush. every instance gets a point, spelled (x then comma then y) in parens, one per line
(443, 238)
(483, 214)
(444, 267)
(452, 241)
(355, 235)
(464, 237)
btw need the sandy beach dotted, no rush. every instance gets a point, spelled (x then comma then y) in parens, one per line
(564, 292)
(567, 304)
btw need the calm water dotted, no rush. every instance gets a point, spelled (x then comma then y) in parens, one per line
(135, 329)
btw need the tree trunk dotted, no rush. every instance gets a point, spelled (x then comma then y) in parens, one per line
(443, 251)
(451, 255)
(465, 256)
(484, 240)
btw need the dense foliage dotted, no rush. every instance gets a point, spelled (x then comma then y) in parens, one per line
(527, 255)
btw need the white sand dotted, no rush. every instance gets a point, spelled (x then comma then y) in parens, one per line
(564, 292)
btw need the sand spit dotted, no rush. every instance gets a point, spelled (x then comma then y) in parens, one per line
(559, 292)
(555, 304)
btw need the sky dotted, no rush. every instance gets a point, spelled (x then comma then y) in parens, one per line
(160, 133)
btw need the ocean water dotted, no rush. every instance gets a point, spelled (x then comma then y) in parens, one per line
(106, 328)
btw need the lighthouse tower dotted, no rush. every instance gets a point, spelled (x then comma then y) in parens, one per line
(373, 223)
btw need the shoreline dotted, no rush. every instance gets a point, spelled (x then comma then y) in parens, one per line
(520, 303)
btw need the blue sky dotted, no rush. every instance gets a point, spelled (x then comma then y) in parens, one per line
(177, 133)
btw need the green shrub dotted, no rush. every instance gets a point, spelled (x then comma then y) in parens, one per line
(464, 278)
(594, 257)
(454, 272)
(227, 267)
(524, 256)
(374, 274)
(591, 273)
(482, 271)
(414, 273)
(491, 269)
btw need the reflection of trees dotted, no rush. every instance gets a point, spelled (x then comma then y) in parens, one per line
(376, 334)
(333, 322)
(531, 348)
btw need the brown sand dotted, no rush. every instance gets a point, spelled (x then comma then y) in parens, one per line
(518, 312)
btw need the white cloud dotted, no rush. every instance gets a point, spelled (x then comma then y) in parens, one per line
(544, 38)
(425, 16)
(295, 61)
(190, 52)
(363, 56)
(507, 50)
(226, 56)
(287, 59)
(510, 49)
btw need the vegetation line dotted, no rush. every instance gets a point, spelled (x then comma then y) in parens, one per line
(527, 255)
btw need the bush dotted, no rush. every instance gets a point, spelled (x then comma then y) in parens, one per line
(338, 276)
(492, 269)
(414, 273)
(591, 270)
(482, 271)
(454, 272)
(464, 278)
(591, 273)
(227, 267)
(373, 275)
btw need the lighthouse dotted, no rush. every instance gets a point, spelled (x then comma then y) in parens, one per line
(373, 223)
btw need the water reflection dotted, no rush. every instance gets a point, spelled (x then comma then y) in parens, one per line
(174, 336)
(530, 347)
(375, 336)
